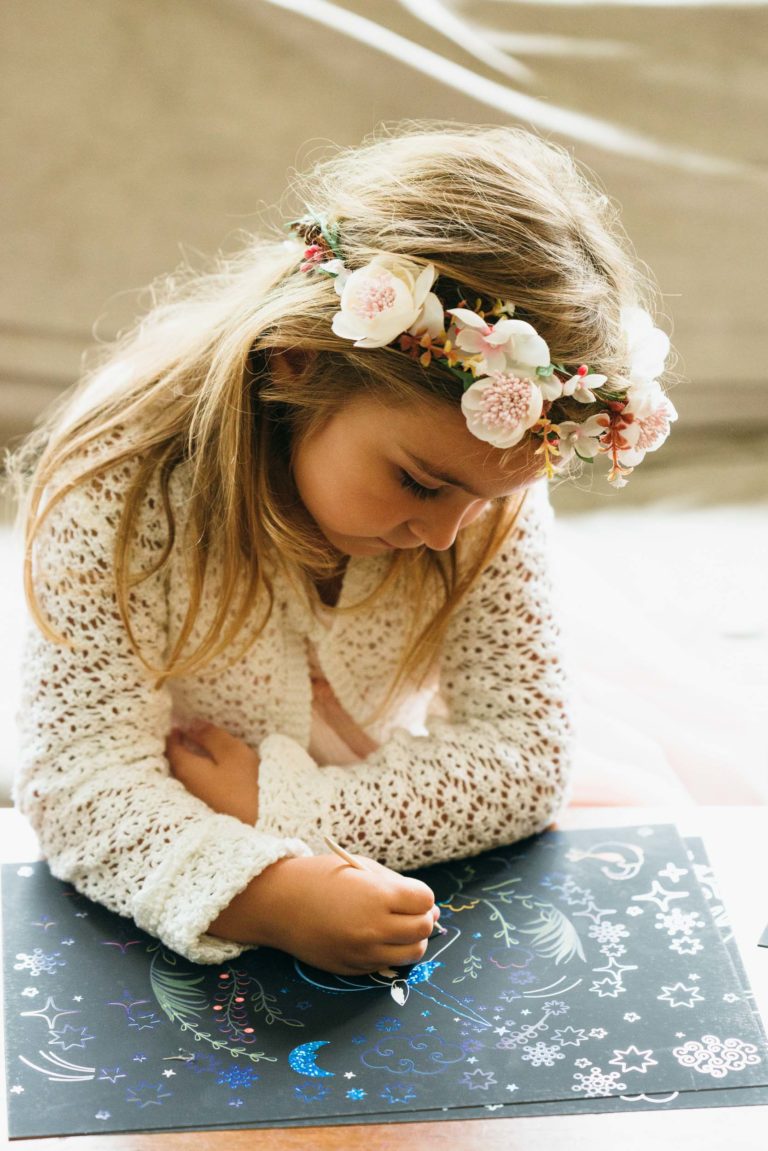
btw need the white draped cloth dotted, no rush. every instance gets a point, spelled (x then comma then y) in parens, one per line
(666, 628)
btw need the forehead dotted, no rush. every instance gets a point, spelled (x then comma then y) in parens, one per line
(433, 435)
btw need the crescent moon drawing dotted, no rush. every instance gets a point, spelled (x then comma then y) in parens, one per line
(302, 1060)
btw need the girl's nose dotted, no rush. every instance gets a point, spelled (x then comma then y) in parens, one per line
(438, 527)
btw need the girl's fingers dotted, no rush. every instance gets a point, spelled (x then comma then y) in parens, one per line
(187, 766)
(409, 929)
(220, 745)
(393, 955)
(412, 897)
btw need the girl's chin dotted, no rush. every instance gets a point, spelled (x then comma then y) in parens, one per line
(360, 546)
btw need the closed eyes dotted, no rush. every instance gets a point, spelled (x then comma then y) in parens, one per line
(413, 486)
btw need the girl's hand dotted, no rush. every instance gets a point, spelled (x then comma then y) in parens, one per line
(216, 767)
(333, 916)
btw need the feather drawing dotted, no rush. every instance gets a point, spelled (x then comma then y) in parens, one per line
(553, 935)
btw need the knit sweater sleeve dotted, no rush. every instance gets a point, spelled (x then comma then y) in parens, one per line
(495, 771)
(94, 781)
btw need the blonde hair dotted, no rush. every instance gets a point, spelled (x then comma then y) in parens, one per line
(498, 211)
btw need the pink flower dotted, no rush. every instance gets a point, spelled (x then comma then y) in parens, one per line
(501, 408)
(507, 343)
(382, 300)
(651, 414)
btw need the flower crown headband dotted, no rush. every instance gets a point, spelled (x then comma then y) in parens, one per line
(511, 387)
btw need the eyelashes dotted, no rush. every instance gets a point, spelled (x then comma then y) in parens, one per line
(415, 488)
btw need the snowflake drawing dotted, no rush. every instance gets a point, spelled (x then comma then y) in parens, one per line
(715, 1057)
(517, 1038)
(608, 932)
(595, 1083)
(388, 1024)
(678, 922)
(356, 1093)
(30, 992)
(38, 962)
(236, 1077)
(542, 1054)
(555, 1007)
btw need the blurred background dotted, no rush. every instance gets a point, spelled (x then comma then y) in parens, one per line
(139, 135)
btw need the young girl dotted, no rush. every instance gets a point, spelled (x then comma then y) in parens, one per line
(287, 552)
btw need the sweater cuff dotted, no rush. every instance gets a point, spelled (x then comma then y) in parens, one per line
(215, 860)
(294, 793)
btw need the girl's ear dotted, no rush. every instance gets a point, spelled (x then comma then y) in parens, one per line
(289, 364)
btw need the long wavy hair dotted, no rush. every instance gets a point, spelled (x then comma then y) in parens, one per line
(498, 211)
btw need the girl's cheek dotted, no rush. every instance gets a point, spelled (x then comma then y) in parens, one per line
(473, 512)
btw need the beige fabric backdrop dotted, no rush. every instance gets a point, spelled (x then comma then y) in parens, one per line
(137, 132)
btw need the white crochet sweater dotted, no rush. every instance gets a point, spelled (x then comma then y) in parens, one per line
(95, 783)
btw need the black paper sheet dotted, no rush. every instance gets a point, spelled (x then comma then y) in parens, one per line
(581, 971)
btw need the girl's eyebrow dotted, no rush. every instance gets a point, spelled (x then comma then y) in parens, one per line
(444, 477)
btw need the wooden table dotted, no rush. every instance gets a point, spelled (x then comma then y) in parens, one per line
(737, 842)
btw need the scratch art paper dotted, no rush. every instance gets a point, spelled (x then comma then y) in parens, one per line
(581, 971)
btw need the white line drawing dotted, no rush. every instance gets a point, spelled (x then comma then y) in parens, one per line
(678, 995)
(632, 1059)
(660, 896)
(552, 987)
(62, 1071)
(716, 1057)
(50, 1013)
(620, 860)
(651, 1098)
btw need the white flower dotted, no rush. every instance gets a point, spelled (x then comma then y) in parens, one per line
(579, 438)
(499, 409)
(382, 300)
(647, 346)
(551, 386)
(338, 269)
(431, 319)
(580, 386)
(508, 343)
